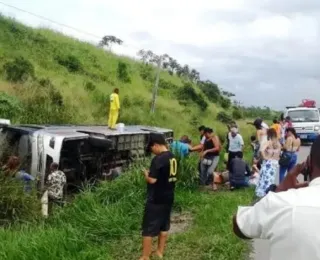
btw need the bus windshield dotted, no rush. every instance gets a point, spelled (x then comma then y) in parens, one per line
(304, 115)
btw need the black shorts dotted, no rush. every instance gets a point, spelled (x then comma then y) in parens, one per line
(156, 219)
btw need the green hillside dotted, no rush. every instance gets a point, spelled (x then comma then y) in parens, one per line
(69, 81)
(46, 77)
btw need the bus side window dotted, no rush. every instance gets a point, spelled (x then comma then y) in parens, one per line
(49, 160)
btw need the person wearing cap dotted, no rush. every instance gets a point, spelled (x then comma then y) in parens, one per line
(236, 144)
(161, 178)
(229, 126)
(209, 155)
(181, 147)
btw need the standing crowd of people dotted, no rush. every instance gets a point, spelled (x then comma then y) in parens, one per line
(272, 146)
(275, 147)
(286, 214)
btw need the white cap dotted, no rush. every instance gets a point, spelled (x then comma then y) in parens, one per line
(234, 130)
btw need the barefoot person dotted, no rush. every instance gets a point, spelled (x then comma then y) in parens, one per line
(160, 179)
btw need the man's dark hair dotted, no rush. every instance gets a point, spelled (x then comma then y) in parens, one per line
(201, 128)
(54, 166)
(288, 118)
(292, 130)
(208, 130)
(253, 138)
(275, 121)
(156, 138)
(185, 139)
(116, 90)
(315, 152)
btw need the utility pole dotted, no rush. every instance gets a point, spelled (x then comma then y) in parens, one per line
(155, 88)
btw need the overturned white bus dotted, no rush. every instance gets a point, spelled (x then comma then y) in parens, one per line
(82, 152)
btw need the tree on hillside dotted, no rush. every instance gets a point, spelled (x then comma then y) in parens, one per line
(148, 57)
(173, 66)
(228, 94)
(194, 76)
(183, 71)
(211, 90)
(165, 61)
(108, 40)
(145, 55)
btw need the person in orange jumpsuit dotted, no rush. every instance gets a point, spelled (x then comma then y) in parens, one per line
(114, 109)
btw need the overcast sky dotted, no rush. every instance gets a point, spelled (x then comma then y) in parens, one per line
(267, 52)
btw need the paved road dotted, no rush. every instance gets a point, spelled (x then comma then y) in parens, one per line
(261, 247)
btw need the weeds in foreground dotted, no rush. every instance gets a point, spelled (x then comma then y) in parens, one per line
(105, 224)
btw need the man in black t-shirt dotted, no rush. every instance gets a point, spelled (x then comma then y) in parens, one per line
(161, 179)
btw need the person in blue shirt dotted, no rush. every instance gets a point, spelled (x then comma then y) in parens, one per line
(11, 169)
(26, 178)
(181, 147)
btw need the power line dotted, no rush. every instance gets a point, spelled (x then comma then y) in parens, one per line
(61, 24)
(51, 21)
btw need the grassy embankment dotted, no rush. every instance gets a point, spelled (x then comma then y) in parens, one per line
(105, 224)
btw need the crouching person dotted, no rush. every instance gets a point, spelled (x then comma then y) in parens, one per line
(239, 173)
(160, 178)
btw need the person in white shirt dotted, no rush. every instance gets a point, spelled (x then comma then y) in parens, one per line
(288, 215)
(264, 125)
(235, 145)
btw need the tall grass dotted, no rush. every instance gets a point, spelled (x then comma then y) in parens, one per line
(104, 223)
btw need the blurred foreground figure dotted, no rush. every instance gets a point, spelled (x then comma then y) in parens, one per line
(288, 215)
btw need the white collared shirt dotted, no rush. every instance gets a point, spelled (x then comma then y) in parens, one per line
(235, 143)
(290, 220)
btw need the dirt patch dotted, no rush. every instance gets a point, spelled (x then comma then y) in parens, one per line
(180, 222)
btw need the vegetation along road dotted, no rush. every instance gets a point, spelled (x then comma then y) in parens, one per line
(48, 78)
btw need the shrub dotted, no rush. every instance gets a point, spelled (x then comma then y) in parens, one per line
(188, 93)
(15, 204)
(10, 106)
(45, 82)
(38, 38)
(18, 70)
(225, 102)
(237, 114)
(70, 62)
(56, 97)
(163, 84)
(210, 90)
(45, 106)
(146, 72)
(126, 102)
(122, 72)
(89, 86)
(223, 117)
